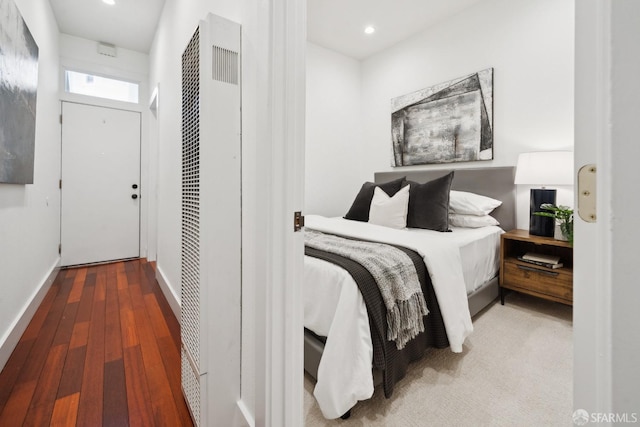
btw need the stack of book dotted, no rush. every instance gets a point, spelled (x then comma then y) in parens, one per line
(549, 261)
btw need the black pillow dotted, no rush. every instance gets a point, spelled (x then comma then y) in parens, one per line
(359, 210)
(429, 204)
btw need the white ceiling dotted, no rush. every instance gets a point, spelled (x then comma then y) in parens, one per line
(335, 24)
(130, 24)
(339, 24)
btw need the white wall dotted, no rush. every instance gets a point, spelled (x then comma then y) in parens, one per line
(334, 171)
(529, 43)
(30, 214)
(80, 54)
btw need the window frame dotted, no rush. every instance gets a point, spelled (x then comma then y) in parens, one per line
(67, 90)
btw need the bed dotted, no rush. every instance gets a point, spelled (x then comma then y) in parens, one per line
(347, 348)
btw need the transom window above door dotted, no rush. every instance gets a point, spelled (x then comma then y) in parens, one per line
(101, 87)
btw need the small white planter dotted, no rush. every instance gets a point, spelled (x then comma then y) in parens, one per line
(557, 234)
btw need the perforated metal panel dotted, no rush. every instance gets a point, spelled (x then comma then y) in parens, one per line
(191, 387)
(190, 302)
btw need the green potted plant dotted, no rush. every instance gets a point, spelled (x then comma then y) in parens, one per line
(564, 218)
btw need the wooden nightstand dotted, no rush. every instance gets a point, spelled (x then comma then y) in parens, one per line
(552, 284)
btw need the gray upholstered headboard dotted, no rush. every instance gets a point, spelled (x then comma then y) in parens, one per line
(492, 182)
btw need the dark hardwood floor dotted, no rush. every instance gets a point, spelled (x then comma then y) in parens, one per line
(102, 349)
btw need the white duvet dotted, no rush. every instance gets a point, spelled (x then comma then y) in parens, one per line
(335, 308)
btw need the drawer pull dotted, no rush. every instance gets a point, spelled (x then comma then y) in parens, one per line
(536, 270)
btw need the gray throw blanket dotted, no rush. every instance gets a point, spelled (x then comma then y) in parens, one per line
(395, 275)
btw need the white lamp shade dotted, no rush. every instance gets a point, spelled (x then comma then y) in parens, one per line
(545, 168)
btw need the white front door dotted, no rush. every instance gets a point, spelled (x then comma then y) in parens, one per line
(100, 184)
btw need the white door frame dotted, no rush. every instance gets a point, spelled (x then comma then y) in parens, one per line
(275, 147)
(592, 272)
(151, 192)
(606, 293)
(622, 181)
(274, 45)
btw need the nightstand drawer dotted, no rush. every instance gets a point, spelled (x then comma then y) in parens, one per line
(556, 283)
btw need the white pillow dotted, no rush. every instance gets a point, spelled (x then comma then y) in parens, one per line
(389, 211)
(462, 202)
(471, 221)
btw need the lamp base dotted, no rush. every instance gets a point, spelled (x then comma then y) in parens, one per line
(541, 225)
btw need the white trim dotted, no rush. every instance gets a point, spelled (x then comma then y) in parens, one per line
(12, 337)
(276, 185)
(153, 101)
(246, 414)
(603, 292)
(152, 159)
(142, 79)
(103, 70)
(169, 294)
(294, 85)
(592, 311)
(619, 154)
(104, 94)
(102, 102)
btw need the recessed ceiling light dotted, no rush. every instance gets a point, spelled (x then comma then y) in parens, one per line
(109, 2)
(369, 30)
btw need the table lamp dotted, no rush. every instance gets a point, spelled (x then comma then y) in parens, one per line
(541, 169)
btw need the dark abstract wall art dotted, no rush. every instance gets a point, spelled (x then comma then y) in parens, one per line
(18, 89)
(448, 122)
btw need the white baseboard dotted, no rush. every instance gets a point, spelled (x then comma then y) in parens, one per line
(169, 294)
(12, 337)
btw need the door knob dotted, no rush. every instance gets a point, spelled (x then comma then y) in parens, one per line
(134, 186)
(134, 196)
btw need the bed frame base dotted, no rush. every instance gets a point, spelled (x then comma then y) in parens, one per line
(478, 300)
(483, 296)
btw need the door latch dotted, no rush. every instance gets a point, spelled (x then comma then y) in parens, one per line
(298, 221)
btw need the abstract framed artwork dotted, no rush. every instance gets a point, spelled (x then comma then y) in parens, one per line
(18, 91)
(448, 122)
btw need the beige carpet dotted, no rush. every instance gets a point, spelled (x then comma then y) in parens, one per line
(516, 370)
